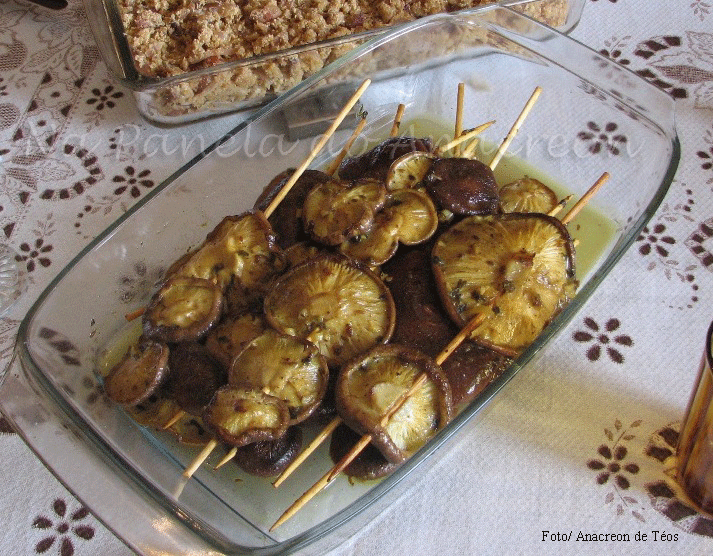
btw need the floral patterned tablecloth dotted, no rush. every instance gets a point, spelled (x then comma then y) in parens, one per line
(575, 444)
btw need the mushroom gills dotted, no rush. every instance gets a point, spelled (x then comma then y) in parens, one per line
(369, 387)
(517, 269)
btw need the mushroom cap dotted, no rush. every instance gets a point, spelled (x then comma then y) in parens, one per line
(269, 458)
(286, 367)
(194, 377)
(369, 385)
(241, 251)
(517, 269)
(409, 170)
(339, 305)
(240, 415)
(183, 309)
(462, 186)
(408, 217)
(527, 195)
(335, 211)
(139, 374)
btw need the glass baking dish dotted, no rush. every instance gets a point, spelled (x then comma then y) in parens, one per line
(131, 476)
(211, 85)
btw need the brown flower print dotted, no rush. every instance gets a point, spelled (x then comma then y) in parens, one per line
(133, 181)
(141, 282)
(614, 467)
(698, 241)
(655, 240)
(682, 66)
(606, 137)
(35, 253)
(62, 528)
(602, 340)
(701, 8)
(104, 98)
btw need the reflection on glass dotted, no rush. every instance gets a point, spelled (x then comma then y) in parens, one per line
(11, 278)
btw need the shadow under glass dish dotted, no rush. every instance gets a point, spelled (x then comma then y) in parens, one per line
(53, 393)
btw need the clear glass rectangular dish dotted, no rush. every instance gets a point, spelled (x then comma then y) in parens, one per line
(208, 84)
(130, 476)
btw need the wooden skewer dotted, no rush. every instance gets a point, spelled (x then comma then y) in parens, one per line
(470, 149)
(464, 137)
(226, 458)
(173, 420)
(334, 166)
(133, 315)
(567, 218)
(397, 120)
(457, 132)
(203, 455)
(320, 144)
(560, 205)
(516, 127)
(321, 437)
(476, 321)
(198, 461)
(366, 439)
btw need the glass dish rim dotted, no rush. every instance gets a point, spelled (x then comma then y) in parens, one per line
(22, 352)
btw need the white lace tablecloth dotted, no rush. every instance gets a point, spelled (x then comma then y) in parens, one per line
(574, 446)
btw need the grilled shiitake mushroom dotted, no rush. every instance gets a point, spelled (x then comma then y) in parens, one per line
(421, 321)
(336, 210)
(462, 186)
(231, 334)
(241, 251)
(516, 268)
(240, 415)
(139, 374)
(408, 217)
(337, 304)
(376, 162)
(527, 195)
(470, 368)
(423, 324)
(194, 377)
(286, 367)
(303, 251)
(409, 171)
(368, 465)
(270, 458)
(182, 310)
(369, 385)
(157, 410)
(286, 219)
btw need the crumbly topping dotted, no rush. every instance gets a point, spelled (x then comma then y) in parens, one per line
(173, 37)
